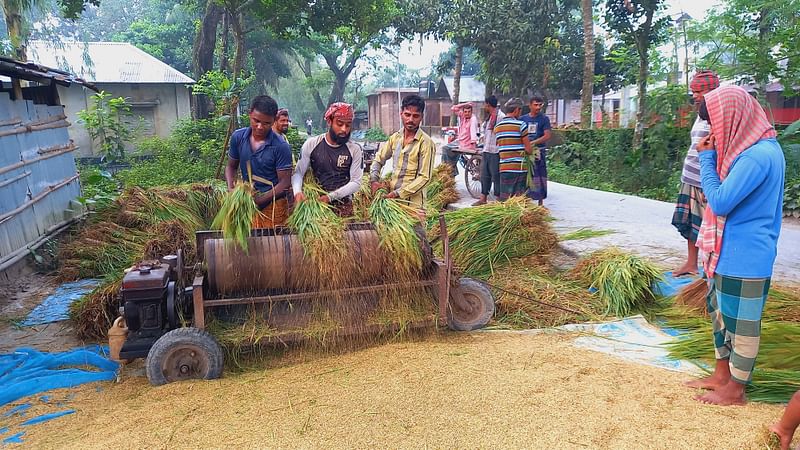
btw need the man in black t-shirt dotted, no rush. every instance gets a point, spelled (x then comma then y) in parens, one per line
(335, 161)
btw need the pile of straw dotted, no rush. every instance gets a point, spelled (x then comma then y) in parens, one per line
(623, 280)
(486, 238)
(140, 225)
(551, 301)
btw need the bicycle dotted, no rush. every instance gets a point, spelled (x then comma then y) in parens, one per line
(470, 161)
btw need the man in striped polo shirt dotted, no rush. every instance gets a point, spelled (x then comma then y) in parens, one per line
(413, 152)
(691, 202)
(511, 135)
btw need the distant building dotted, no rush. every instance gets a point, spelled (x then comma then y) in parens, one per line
(158, 93)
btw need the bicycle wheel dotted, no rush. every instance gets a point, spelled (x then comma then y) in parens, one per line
(472, 175)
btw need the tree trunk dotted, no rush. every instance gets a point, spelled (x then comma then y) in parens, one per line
(225, 42)
(642, 46)
(305, 67)
(588, 64)
(203, 56)
(457, 79)
(13, 18)
(638, 131)
(239, 54)
(337, 90)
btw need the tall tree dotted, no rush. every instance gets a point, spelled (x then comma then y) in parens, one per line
(588, 63)
(637, 24)
(752, 42)
(14, 12)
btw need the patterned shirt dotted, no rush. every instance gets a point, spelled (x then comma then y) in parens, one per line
(691, 165)
(413, 166)
(509, 133)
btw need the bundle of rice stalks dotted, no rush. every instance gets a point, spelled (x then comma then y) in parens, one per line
(99, 250)
(93, 314)
(236, 215)
(441, 191)
(362, 200)
(773, 386)
(322, 234)
(168, 238)
(783, 304)
(623, 281)
(550, 301)
(399, 240)
(693, 296)
(139, 208)
(484, 239)
(205, 200)
(777, 351)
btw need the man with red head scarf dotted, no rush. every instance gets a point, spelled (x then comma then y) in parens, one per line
(335, 162)
(691, 203)
(742, 173)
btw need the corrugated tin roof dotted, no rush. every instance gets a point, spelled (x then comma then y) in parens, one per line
(105, 62)
(29, 71)
(471, 89)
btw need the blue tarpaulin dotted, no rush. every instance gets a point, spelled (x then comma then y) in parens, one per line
(28, 372)
(670, 286)
(56, 306)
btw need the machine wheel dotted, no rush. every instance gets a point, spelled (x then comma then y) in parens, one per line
(475, 310)
(472, 175)
(184, 354)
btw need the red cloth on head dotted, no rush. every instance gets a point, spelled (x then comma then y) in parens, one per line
(737, 122)
(341, 110)
(704, 81)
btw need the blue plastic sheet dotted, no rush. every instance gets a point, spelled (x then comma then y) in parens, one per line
(672, 285)
(28, 372)
(14, 439)
(46, 417)
(56, 306)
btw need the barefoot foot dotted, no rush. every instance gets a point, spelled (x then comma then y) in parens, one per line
(685, 269)
(730, 394)
(711, 382)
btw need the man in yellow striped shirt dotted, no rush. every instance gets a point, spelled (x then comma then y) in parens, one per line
(412, 151)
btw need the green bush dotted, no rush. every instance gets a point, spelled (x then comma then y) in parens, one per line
(375, 134)
(190, 154)
(295, 141)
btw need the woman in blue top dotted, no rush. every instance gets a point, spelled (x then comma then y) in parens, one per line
(742, 174)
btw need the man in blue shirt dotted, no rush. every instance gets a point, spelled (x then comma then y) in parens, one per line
(539, 133)
(260, 154)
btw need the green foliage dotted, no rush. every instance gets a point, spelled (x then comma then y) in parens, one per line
(98, 187)
(295, 141)
(188, 155)
(170, 42)
(222, 90)
(104, 122)
(669, 102)
(375, 134)
(790, 142)
(604, 159)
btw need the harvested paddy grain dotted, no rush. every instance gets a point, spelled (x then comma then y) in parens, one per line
(479, 390)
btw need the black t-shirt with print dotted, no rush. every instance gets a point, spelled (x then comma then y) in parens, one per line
(331, 165)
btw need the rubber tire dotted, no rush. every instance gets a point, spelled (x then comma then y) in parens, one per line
(184, 336)
(484, 300)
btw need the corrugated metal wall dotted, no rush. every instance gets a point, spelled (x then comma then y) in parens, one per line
(38, 177)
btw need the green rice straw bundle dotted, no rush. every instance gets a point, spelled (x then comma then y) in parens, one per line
(399, 240)
(485, 238)
(322, 234)
(236, 214)
(623, 281)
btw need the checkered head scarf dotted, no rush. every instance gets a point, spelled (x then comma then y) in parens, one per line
(704, 81)
(341, 110)
(737, 122)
